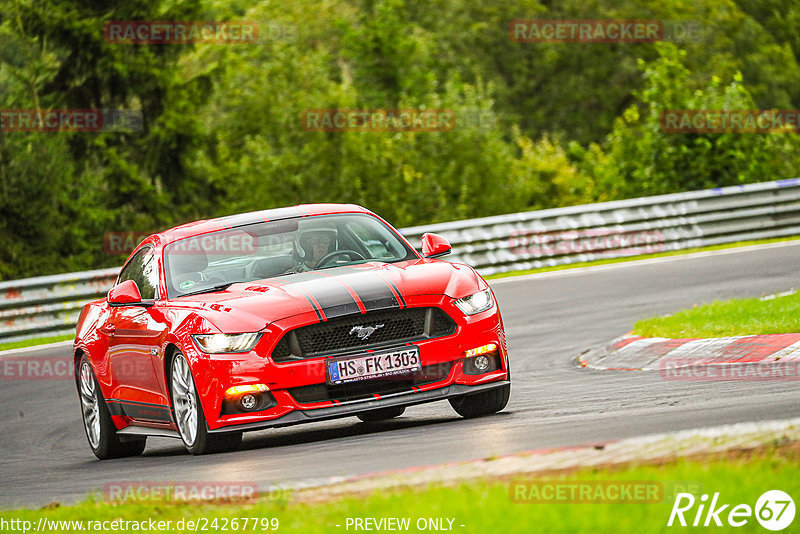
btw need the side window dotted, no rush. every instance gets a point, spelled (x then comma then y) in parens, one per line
(142, 270)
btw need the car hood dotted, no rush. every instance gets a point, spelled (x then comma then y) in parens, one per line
(251, 306)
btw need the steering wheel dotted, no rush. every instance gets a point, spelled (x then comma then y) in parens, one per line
(324, 260)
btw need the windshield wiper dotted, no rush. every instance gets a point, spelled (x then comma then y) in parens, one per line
(213, 289)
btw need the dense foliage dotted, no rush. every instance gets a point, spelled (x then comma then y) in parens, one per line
(538, 124)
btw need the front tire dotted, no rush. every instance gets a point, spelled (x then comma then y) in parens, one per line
(382, 414)
(97, 423)
(189, 416)
(484, 403)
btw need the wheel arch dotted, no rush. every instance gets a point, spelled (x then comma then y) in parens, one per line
(76, 363)
(169, 354)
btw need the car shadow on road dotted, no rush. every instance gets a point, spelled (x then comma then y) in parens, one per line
(310, 434)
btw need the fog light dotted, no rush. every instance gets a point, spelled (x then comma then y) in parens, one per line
(249, 402)
(482, 363)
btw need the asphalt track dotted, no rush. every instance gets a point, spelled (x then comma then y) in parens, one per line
(550, 319)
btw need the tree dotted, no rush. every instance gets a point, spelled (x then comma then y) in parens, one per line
(639, 158)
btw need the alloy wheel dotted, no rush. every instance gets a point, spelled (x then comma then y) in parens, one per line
(90, 404)
(184, 399)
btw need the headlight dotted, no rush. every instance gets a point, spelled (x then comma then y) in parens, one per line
(475, 303)
(219, 343)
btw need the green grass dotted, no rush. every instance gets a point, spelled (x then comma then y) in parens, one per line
(35, 341)
(643, 257)
(737, 317)
(486, 506)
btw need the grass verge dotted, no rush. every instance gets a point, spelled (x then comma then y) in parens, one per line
(737, 317)
(36, 341)
(643, 257)
(486, 505)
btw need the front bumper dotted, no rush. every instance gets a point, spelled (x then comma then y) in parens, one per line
(347, 409)
(215, 374)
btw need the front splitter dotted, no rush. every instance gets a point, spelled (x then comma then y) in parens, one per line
(350, 408)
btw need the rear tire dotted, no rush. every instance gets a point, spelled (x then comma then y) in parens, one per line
(382, 414)
(97, 423)
(189, 417)
(484, 403)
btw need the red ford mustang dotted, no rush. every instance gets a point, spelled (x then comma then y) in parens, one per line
(281, 317)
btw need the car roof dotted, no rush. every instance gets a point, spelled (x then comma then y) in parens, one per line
(241, 219)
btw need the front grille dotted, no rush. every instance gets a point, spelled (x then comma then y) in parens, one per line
(392, 326)
(365, 389)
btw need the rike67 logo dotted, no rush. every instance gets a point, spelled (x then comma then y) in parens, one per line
(774, 510)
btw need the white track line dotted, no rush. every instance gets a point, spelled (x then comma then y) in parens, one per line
(35, 348)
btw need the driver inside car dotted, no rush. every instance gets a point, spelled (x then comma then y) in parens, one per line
(310, 246)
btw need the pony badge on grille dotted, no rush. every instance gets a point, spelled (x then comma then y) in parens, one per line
(363, 332)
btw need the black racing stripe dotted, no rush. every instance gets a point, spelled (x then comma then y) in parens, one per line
(287, 213)
(140, 403)
(334, 298)
(139, 410)
(399, 295)
(373, 290)
(246, 219)
(316, 310)
(114, 408)
(300, 278)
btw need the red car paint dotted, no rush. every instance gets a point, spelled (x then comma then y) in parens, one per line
(129, 346)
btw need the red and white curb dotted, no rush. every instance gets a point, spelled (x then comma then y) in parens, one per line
(636, 353)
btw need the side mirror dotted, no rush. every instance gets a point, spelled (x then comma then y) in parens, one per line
(125, 293)
(434, 245)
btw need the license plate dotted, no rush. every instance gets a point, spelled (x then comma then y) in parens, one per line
(373, 365)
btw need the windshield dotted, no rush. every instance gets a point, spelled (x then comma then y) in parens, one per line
(264, 250)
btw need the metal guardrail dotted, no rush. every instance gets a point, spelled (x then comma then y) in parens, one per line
(622, 228)
(50, 305)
